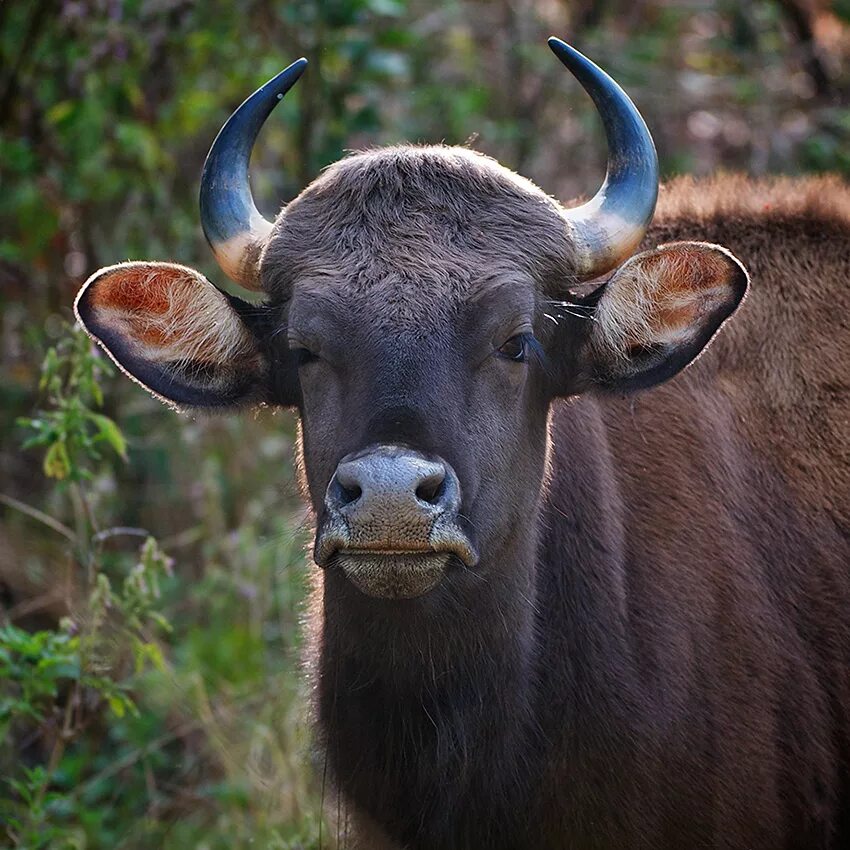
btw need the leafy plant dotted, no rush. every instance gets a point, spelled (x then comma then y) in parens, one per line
(70, 429)
(114, 690)
(55, 683)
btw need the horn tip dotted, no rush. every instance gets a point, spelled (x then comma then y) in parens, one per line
(281, 83)
(568, 55)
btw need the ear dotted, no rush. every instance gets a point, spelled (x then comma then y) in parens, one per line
(173, 332)
(657, 313)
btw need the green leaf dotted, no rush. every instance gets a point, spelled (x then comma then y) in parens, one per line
(117, 705)
(48, 368)
(57, 464)
(111, 433)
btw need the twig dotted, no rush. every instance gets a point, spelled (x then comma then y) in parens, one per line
(119, 531)
(30, 606)
(38, 515)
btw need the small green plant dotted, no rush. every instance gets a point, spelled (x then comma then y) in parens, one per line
(154, 715)
(54, 684)
(70, 429)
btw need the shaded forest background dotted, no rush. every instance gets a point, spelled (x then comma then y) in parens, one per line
(152, 566)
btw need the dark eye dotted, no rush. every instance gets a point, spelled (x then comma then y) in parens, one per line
(514, 348)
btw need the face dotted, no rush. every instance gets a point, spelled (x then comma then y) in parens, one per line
(414, 327)
(418, 316)
(412, 419)
(407, 291)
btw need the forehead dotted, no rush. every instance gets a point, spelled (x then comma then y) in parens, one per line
(424, 229)
(399, 312)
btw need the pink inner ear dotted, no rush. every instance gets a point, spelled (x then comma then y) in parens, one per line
(135, 290)
(690, 268)
(668, 296)
(151, 300)
(689, 278)
(171, 313)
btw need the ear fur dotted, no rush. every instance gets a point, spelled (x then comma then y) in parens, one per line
(173, 332)
(658, 312)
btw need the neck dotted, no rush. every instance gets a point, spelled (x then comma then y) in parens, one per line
(427, 701)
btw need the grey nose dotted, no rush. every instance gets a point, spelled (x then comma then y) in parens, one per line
(392, 481)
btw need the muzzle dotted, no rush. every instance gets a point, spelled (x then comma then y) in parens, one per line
(392, 522)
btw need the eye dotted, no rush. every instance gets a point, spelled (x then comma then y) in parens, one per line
(514, 348)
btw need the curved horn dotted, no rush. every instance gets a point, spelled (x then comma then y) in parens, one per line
(610, 225)
(232, 224)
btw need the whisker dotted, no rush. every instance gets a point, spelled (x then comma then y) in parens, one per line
(576, 304)
(579, 315)
(477, 575)
(531, 604)
(570, 308)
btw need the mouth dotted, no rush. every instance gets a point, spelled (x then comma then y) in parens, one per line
(393, 573)
(336, 539)
(393, 565)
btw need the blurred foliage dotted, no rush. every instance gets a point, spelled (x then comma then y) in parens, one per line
(149, 705)
(155, 712)
(70, 430)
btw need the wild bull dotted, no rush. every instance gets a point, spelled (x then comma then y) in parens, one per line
(552, 612)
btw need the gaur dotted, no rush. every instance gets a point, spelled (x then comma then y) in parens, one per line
(567, 594)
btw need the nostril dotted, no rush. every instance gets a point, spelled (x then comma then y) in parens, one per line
(431, 489)
(341, 494)
(382, 483)
(349, 494)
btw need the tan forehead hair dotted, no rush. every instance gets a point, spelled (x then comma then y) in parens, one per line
(445, 216)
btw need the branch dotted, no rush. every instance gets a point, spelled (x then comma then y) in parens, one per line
(38, 515)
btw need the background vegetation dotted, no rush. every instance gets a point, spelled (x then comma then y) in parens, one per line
(152, 566)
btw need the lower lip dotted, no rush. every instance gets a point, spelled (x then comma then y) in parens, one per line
(391, 574)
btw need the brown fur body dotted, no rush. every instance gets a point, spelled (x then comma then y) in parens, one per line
(669, 664)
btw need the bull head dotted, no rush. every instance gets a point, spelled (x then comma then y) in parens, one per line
(419, 316)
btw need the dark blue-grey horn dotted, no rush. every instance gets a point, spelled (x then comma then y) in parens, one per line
(232, 224)
(609, 227)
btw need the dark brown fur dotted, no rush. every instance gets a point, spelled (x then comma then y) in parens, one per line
(658, 651)
(698, 552)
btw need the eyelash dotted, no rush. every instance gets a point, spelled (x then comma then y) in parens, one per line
(526, 342)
